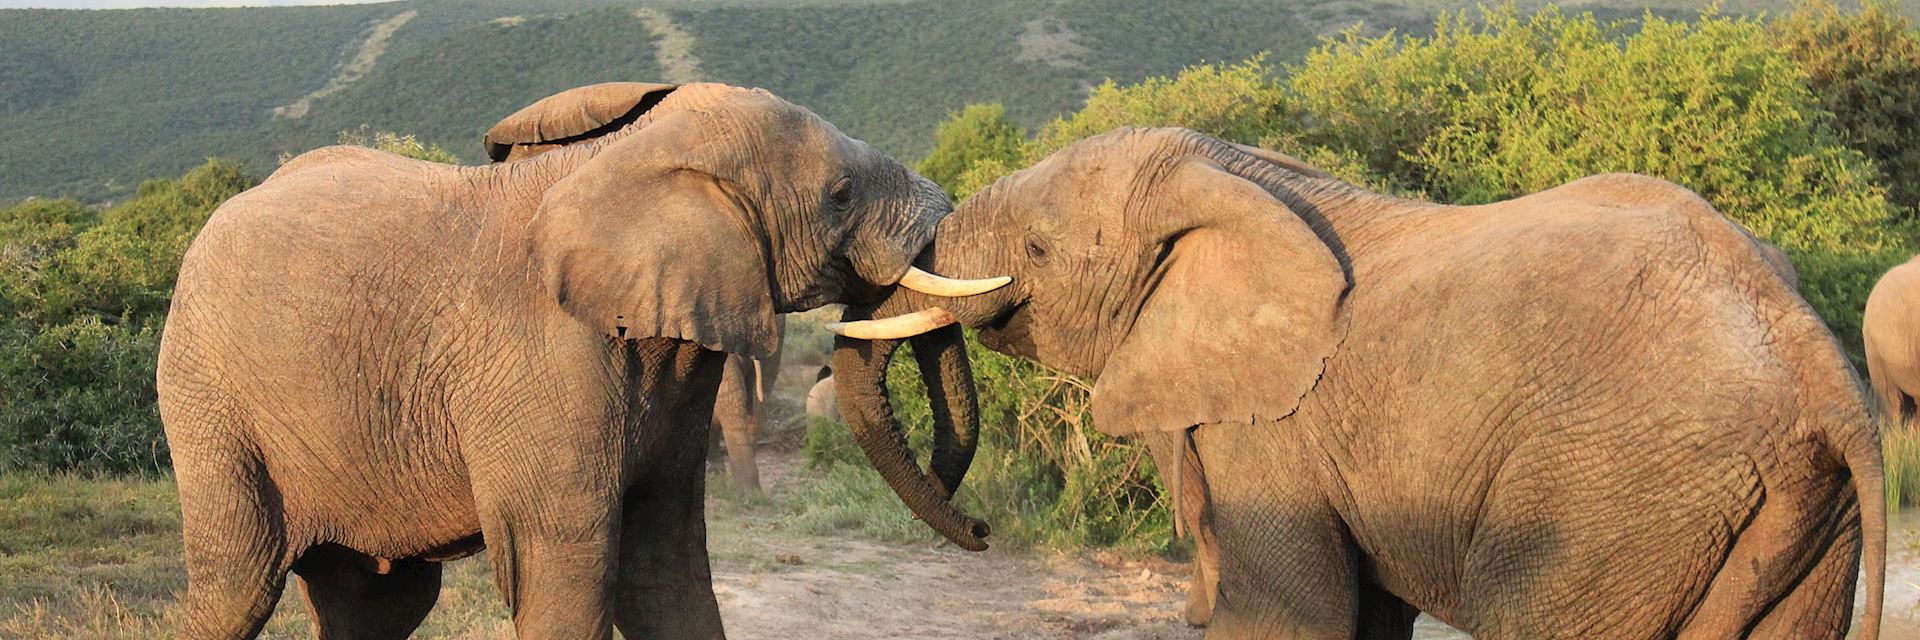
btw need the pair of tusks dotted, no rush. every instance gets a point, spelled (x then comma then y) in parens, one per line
(924, 320)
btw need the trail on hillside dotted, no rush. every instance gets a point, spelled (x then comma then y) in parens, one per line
(368, 54)
(672, 46)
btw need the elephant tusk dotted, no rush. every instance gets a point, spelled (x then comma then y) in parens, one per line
(894, 328)
(946, 287)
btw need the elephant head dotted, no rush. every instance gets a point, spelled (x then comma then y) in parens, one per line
(699, 212)
(1132, 255)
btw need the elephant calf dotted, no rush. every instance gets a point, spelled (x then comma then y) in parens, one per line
(376, 364)
(1597, 411)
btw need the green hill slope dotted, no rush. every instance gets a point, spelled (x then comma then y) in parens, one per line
(94, 101)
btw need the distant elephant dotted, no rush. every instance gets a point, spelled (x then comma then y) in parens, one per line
(1891, 328)
(822, 399)
(739, 413)
(376, 364)
(1591, 412)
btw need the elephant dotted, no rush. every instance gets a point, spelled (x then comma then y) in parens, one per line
(822, 399)
(375, 364)
(739, 412)
(1596, 411)
(1893, 343)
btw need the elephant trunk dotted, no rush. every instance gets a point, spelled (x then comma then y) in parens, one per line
(860, 366)
(948, 375)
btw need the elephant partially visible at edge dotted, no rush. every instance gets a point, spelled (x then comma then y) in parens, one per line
(1891, 329)
(375, 364)
(1598, 411)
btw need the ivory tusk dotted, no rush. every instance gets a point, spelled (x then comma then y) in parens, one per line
(894, 328)
(938, 285)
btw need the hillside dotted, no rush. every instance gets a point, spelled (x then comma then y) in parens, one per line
(96, 101)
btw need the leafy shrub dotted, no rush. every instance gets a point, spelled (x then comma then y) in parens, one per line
(1512, 105)
(85, 295)
(1865, 68)
(980, 132)
(394, 143)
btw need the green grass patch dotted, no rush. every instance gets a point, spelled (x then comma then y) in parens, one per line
(1901, 450)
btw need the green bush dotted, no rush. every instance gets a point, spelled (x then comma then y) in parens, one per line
(1509, 105)
(980, 132)
(394, 143)
(84, 296)
(1864, 68)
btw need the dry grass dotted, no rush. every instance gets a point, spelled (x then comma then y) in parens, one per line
(1901, 450)
(100, 558)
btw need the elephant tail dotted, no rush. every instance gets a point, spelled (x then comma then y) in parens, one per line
(1860, 450)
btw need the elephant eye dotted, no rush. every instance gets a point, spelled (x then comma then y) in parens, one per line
(841, 195)
(1036, 250)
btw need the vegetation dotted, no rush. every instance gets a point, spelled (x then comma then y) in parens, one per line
(85, 294)
(83, 298)
(1864, 68)
(208, 82)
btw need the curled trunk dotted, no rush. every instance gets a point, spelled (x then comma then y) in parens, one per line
(860, 367)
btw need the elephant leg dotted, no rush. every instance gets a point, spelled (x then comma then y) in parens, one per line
(1792, 570)
(1288, 566)
(352, 599)
(1621, 549)
(1179, 466)
(1383, 616)
(736, 417)
(1821, 606)
(665, 584)
(556, 576)
(236, 551)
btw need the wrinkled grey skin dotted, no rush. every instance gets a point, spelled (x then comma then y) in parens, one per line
(1592, 412)
(739, 412)
(1891, 328)
(375, 364)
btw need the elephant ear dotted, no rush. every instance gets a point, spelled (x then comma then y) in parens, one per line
(571, 116)
(645, 240)
(1246, 308)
